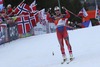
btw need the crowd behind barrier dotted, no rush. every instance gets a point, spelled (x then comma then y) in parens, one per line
(17, 23)
(9, 32)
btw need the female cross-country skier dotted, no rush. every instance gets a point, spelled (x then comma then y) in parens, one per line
(60, 21)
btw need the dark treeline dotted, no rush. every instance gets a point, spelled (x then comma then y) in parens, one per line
(72, 5)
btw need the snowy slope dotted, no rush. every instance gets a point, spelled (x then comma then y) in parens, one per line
(36, 51)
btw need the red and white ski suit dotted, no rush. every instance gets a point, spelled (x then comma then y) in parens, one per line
(61, 31)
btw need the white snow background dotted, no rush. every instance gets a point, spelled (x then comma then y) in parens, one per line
(36, 51)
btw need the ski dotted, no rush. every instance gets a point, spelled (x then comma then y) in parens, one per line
(63, 61)
(70, 60)
(67, 61)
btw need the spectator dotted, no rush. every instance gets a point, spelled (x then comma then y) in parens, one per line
(9, 10)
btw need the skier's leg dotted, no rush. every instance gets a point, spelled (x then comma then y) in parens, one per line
(62, 48)
(60, 39)
(69, 47)
(65, 35)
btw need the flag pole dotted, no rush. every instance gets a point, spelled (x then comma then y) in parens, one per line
(23, 0)
(59, 5)
(96, 2)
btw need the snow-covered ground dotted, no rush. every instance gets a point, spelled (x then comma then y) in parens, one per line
(36, 51)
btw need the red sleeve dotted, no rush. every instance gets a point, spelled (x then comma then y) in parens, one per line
(9, 10)
(49, 17)
(68, 15)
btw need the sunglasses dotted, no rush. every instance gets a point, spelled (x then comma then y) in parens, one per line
(57, 10)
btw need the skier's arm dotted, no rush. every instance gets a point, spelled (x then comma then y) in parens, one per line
(67, 13)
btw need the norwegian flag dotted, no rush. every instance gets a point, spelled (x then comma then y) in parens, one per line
(33, 23)
(83, 13)
(35, 16)
(32, 19)
(33, 6)
(22, 9)
(24, 24)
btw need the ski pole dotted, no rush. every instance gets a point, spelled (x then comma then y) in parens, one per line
(71, 12)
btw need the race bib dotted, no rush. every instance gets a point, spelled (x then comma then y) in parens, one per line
(61, 22)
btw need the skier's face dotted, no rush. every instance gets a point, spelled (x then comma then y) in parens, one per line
(57, 12)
